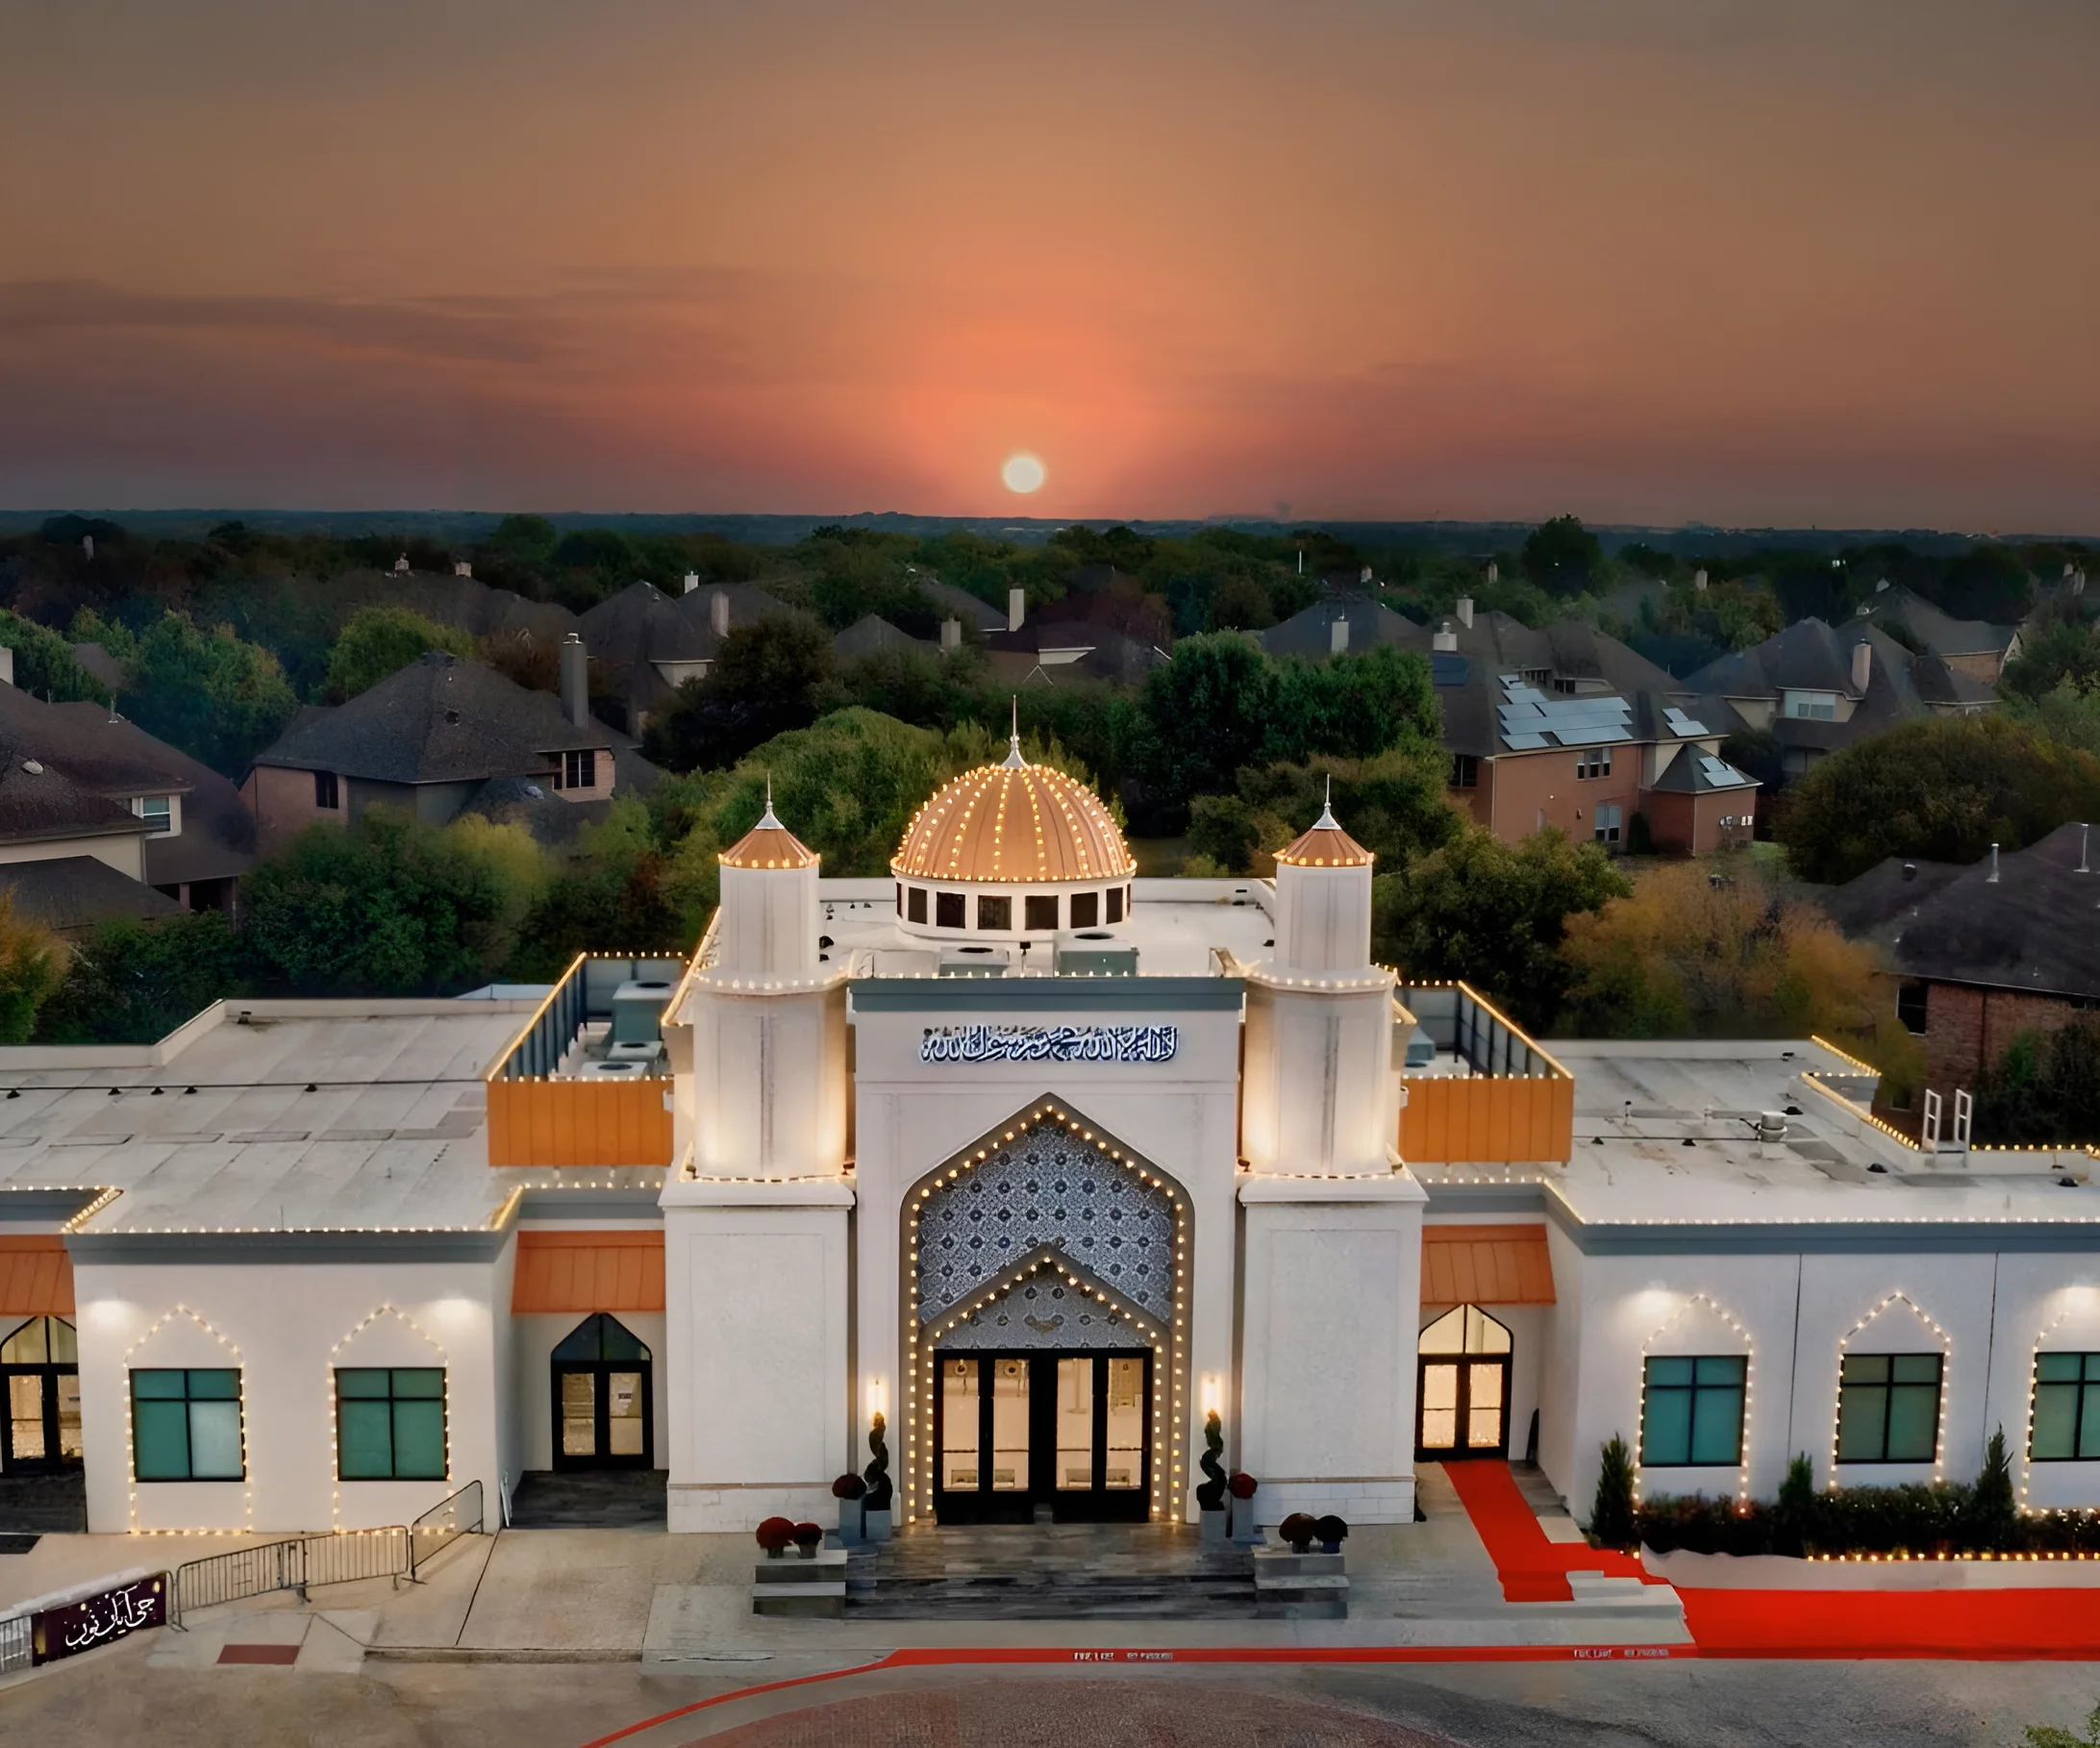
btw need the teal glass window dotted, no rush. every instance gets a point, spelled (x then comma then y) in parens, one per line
(391, 1423)
(1692, 1411)
(186, 1425)
(2066, 1423)
(1889, 1408)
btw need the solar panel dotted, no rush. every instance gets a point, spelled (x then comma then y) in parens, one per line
(1593, 737)
(1446, 669)
(1682, 724)
(1719, 772)
(1523, 743)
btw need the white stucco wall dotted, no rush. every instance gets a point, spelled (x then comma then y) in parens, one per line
(286, 1327)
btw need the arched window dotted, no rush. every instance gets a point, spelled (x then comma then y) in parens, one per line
(1463, 1386)
(40, 1372)
(602, 1397)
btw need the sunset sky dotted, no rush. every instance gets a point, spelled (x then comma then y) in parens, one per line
(1643, 259)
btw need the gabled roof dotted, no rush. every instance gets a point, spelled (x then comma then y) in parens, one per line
(1935, 631)
(38, 801)
(2037, 926)
(871, 635)
(1370, 623)
(1695, 771)
(1878, 903)
(953, 603)
(441, 719)
(1808, 656)
(69, 894)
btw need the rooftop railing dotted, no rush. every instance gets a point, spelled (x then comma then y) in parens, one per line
(1515, 1102)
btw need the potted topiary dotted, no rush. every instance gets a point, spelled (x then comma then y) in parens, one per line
(1298, 1529)
(808, 1538)
(1242, 1488)
(849, 1489)
(875, 1504)
(1333, 1532)
(1210, 1491)
(774, 1534)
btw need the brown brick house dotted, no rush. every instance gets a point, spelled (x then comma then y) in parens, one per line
(1982, 953)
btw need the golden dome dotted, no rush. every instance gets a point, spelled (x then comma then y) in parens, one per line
(768, 845)
(1016, 822)
(1326, 845)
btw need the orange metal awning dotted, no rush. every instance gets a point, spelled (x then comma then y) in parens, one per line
(588, 1271)
(1486, 1266)
(36, 1276)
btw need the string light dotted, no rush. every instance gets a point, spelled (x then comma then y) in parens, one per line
(328, 1375)
(241, 1400)
(1749, 1372)
(1946, 1355)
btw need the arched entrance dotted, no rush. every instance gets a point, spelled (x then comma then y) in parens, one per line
(603, 1397)
(1045, 1282)
(1462, 1388)
(40, 1370)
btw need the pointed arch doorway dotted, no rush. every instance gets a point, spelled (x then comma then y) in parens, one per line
(603, 1397)
(1462, 1388)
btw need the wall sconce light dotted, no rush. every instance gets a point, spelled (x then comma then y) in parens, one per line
(1213, 1394)
(878, 1397)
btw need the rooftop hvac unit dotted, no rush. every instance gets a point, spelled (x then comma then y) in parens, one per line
(638, 1011)
(613, 1071)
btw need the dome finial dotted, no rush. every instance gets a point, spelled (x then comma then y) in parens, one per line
(768, 821)
(1014, 760)
(1327, 822)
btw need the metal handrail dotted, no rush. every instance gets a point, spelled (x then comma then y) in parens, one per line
(332, 1558)
(14, 1643)
(442, 1525)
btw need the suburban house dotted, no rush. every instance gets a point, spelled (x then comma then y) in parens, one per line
(1333, 628)
(1972, 646)
(98, 819)
(435, 739)
(1981, 953)
(652, 644)
(1816, 688)
(873, 634)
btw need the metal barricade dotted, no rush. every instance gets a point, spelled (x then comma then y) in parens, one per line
(14, 1644)
(292, 1564)
(442, 1525)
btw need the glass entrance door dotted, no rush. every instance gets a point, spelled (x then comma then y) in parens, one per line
(1462, 1388)
(602, 1398)
(40, 1374)
(1013, 1431)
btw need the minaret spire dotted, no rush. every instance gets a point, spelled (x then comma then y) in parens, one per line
(768, 819)
(1014, 760)
(1327, 820)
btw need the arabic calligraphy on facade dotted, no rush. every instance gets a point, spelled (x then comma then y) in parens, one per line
(100, 1619)
(1049, 1043)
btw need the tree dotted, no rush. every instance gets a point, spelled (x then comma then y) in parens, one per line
(615, 893)
(1560, 556)
(1207, 711)
(1352, 706)
(381, 641)
(218, 698)
(2054, 655)
(1706, 950)
(771, 675)
(1394, 804)
(44, 662)
(2048, 1736)
(1611, 1508)
(133, 982)
(1494, 916)
(2044, 1089)
(2066, 715)
(1986, 582)
(1944, 788)
(388, 907)
(32, 962)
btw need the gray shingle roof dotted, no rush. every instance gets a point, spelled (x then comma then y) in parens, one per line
(69, 894)
(39, 802)
(439, 719)
(1935, 632)
(871, 635)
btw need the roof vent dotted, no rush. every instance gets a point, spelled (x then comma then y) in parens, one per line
(452, 715)
(2085, 845)
(1992, 879)
(1909, 870)
(33, 766)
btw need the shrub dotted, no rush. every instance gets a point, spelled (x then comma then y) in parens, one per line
(1242, 1485)
(775, 1533)
(1611, 1511)
(1992, 1517)
(1331, 1531)
(1210, 1492)
(1298, 1529)
(848, 1486)
(808, 1536)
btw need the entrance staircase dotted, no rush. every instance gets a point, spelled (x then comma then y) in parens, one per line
(1093, 1571)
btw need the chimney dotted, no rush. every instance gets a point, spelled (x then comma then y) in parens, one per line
(2085, 844)
(1337, 635)
(1494, 571)
(1992, 879)
(950, 633)
(1363, 576)
(88, 548)
(575, 682)
(1698, 580)
(2078, 583)
(1862, 665)
(1466, 612)
(1909, 870)
(461, 568)
(718, 612)
(6, 665)
(1016, 607)
(692, 581)
(401, 565)
(1444, 639)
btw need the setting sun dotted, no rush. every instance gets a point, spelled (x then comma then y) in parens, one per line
(1022, 473)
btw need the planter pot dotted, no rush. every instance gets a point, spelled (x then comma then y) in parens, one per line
(809, 1552)
(776, 1552)
(848, 1532)
(1214, 1525)
(875, 1526)
(1306, 1547)
(1329, 1547)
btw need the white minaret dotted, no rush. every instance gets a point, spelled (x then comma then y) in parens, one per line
(767, 1094)
(757, 1208)
(1320, 1093)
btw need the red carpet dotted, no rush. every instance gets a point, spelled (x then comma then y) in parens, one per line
(1532, 1568)
(1992, 1624)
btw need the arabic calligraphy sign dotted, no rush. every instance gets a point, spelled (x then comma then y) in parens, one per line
(1049, 1043)
(100, 1619)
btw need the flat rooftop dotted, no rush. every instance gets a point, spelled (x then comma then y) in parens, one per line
(1665, 1135)
(1174, 924)
(309, 1116)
